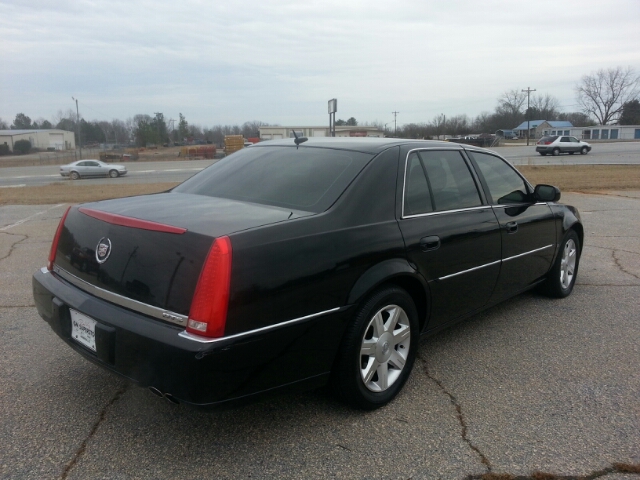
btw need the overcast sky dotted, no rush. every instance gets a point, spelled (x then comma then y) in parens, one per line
(226, 62)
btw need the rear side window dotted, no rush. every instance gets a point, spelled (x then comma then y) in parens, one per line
(436, 181)
(548, 139)
(505, 185)
(305, 178)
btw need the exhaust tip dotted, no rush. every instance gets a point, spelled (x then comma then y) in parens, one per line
(156, 392)
(167, 396)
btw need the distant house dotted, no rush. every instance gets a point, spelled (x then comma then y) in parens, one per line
(539, 128)
(43, 139)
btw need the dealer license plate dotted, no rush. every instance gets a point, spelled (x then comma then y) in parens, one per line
(83, 329)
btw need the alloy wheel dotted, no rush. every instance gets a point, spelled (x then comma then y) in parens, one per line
(568, 263)
(385, 347)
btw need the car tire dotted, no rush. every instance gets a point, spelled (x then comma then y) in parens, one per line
(378, 350)
(74, 175)
(584, 150)
(562, 276)
(113, 173)
(555, 152)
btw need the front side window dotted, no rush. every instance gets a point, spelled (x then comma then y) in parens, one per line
(505, 185)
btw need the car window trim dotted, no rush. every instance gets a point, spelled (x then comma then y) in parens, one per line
(442, 212)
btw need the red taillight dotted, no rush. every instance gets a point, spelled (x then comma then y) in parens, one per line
(54, 244)
(208, 313)
(547, 143)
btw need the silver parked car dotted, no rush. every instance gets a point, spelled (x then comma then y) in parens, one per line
(557, 144)
(92, 168)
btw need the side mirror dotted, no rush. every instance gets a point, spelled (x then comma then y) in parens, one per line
(546, 193)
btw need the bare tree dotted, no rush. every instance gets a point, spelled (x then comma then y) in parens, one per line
(577, 119)
(3, 125)
(458, 125)
(252, 129)
(544, 107)
(511, 102)
(603, 93)
(439, 123)
(483, 123)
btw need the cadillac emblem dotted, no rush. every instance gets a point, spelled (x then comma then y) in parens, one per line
(103, 250)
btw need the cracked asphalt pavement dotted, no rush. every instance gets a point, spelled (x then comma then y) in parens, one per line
(534, 388)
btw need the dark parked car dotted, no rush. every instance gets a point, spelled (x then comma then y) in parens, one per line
(557, 144)
(288, 267)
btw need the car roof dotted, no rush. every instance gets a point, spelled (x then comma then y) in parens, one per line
(367, 145)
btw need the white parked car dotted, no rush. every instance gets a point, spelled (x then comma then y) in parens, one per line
(557, 144)
(92, 168)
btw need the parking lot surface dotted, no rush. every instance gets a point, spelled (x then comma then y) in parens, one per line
(533, 385)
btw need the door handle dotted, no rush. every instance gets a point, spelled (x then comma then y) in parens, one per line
(429, 243)
(512, 227)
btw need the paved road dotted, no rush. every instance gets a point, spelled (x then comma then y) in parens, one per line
(138, 172)
(178, 171)
(623, 153)
(531, 385)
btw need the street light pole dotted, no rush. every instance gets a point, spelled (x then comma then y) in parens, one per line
(78, 127)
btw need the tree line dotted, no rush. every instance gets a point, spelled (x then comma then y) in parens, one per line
(604, 97)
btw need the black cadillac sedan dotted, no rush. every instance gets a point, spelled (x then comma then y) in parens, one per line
(298, 263)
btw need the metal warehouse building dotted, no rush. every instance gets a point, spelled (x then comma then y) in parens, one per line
(273, 133)
(43, 139)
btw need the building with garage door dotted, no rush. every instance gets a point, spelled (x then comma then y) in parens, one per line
(274, 133)
(52, 139)
(606, 132)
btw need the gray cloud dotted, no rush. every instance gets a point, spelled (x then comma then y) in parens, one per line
(280, 61)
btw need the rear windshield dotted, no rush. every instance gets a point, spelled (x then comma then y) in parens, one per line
(305, 178)
(550, 139)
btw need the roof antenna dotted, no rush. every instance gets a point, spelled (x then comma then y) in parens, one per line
(298, 139)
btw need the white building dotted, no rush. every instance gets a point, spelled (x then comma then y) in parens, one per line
(605, 132)
(42, 139)
(273, 133)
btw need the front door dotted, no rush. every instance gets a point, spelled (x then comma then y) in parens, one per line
(528, 229)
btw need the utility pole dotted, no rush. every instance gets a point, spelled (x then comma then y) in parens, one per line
(395, 123)
(528, 90)
(157, 114)
(78, 127)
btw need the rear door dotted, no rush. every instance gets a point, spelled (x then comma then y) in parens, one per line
(451, 235)
(528, 230)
